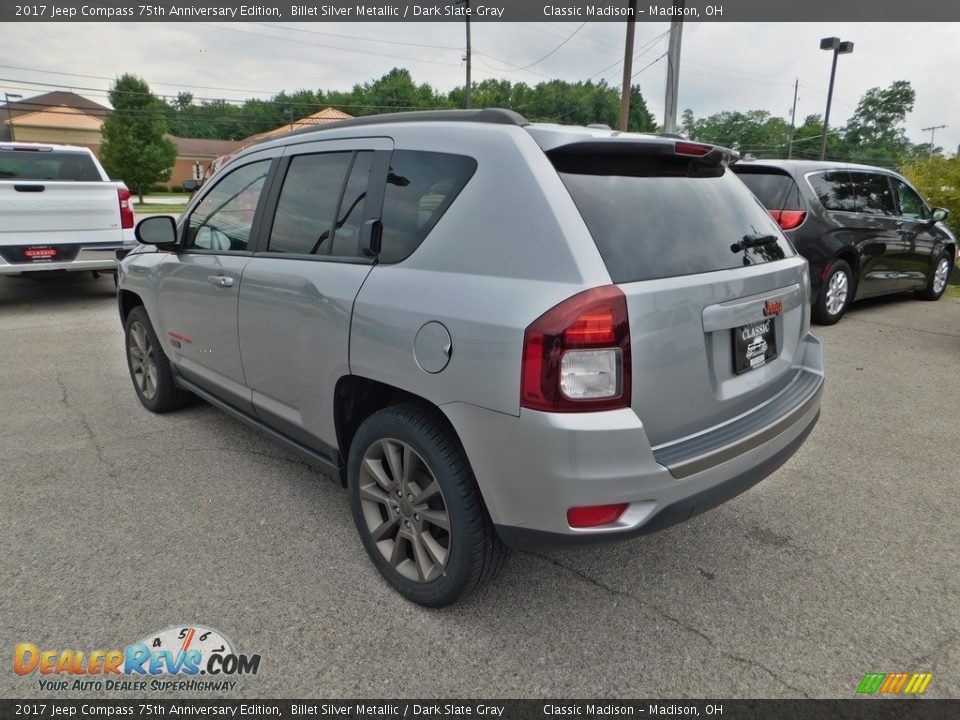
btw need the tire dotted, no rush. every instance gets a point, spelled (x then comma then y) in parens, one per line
(149, 367)
(836, 294)
(939, 278)
(435, 542)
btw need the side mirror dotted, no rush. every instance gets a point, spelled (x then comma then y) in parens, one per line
(191, 185)
(157, 230)
(939, 215)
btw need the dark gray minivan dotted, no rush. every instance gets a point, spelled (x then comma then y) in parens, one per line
(865, 230)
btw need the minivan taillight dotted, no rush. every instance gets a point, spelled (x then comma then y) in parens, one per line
(576, 356)
(788, 219)
(126, 211)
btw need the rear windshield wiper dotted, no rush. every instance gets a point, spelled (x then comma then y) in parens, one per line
(750, 241)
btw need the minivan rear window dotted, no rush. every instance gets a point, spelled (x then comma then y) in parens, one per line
(664, 217)
(38, 165)
(776, 190)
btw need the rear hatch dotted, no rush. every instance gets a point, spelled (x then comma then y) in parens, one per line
(51, 197)
(716, 296)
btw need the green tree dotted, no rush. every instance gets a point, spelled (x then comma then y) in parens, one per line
(938, 180)
(134, 147)
(875, 132)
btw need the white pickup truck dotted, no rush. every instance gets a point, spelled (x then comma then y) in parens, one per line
(59, 211)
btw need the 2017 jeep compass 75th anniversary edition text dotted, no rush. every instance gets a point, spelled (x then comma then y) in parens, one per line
(496, 333)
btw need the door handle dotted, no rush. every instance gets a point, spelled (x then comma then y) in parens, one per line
(220, 281)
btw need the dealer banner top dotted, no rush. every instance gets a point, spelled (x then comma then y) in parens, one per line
(479, 11)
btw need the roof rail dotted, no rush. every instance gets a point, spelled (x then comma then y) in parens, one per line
(495, 116)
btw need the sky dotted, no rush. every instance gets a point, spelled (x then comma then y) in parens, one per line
(724, 66)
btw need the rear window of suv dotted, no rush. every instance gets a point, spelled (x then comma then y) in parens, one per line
(660, 216)
(38, 165)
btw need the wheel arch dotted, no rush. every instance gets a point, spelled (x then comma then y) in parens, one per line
(356, 398)
(127, 300)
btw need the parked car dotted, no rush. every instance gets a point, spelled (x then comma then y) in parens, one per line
(59, 211)
(865, 230)
(461, 315)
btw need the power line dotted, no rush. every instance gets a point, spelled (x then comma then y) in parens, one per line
(332, 47)
(356, 37)
(568, 39)
(648, 65)
(643, 50)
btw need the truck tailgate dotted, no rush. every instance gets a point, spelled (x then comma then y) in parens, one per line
(44, 212)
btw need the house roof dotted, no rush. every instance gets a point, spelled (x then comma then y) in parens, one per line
(322, 117)
(57, 117)
(202, 147)
(55, 99)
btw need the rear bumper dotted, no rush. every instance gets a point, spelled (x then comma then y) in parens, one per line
(531, 469)
(100, 257)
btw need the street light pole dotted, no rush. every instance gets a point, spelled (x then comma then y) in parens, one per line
(7, 97)
(839, 48)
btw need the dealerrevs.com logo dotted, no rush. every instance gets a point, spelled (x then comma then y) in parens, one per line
(180, 658)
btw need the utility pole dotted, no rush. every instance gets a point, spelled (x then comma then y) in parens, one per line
(468, 90)
(793, 118)
(627, 67)
(7, 97)
(933, 129)
(673, 69)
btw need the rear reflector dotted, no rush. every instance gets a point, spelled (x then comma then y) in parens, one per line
(126, 211)
(788, 219)
(595, 515)
(689, 148)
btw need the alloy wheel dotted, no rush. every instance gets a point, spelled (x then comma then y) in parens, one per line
(837, 292)
(940, 275)
(142, 363)
(404, 510)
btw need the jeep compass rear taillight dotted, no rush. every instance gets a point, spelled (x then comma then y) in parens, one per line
(576, 356)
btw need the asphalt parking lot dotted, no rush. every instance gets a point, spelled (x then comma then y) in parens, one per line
(118, 523)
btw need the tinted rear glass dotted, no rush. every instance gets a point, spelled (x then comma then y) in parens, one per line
(420, 188)
(874, 195)
(35, 165)
(655, 218)
(775, 190)
(835, 190)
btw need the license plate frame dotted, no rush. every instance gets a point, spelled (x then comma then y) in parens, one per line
(41, 253)
(754, 345)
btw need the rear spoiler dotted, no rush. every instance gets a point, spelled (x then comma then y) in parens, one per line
(699, 153)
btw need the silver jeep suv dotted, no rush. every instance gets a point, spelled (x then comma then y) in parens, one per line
(495, 333)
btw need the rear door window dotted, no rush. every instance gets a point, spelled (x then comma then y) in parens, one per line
(874, 194)
(659, 217)
(421, 186)
(303, 222)
(835, 190)
(38, 165)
